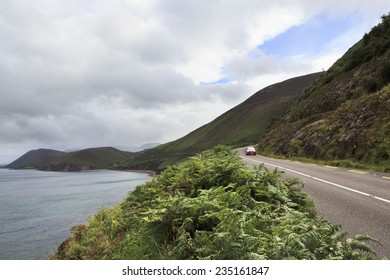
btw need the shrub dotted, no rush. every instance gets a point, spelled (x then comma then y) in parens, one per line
(213, 207)
(369, 84)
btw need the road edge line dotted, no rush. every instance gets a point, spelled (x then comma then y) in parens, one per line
(322, 180)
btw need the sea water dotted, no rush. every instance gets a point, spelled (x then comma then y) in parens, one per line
(37, 208)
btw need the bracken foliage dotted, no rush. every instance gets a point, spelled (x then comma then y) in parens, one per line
(213, 207)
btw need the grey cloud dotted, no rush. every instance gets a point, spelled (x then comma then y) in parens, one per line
(87, 73)
(140, 86)
(229, 92)
(212, 24)
(19, 128)
(247, 67)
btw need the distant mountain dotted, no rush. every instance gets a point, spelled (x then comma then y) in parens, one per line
(134, 149)
(52, 160)
(242, 125)
(148, 146)
(93, 158)
(345, 115)
(35, 158)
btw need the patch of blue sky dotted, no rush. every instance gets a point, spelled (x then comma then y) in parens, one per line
(310, 38)
(221, 81)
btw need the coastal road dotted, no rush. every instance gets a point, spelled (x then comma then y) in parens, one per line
(357, 200)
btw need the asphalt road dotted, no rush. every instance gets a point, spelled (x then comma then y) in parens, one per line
(357, 200)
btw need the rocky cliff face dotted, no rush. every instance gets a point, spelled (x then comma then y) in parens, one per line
(344, 114)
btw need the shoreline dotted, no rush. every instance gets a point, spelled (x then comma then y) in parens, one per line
(149, 172)
(68, 199)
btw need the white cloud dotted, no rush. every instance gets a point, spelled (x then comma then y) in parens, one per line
(125, 72)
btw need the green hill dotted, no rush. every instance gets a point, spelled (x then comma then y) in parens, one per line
(242, 125)
(344, 115)
(93, 158)
(35, 158)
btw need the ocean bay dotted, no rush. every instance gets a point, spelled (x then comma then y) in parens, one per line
(37, 209)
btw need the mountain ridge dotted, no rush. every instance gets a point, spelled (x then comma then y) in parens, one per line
(85, 159)
(242, 125)
(34, 159)
(344, 116)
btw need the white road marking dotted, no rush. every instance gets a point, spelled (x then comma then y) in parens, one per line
(321, 180)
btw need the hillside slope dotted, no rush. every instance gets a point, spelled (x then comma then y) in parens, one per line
(343, 116)
(242, 125)
(35, 158)
(93, 158)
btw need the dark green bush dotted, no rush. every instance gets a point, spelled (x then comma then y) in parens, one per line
(369, 84)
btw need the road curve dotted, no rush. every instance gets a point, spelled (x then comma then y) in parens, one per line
(357, 200)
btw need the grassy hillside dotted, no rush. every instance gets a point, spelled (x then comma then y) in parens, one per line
(213, 207)
(93, 158)
(35, 158)
(343, 116)
(242, 125)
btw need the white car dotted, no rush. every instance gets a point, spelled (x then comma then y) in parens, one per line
(250, 151)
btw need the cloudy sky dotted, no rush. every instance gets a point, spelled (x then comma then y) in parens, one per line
(88, 73)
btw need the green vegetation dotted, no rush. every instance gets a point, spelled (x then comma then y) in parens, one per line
(52, 160)
(240, 126)
(93, 158)
(35, 158)
(373, 45)
(343, 117)
(213, 207)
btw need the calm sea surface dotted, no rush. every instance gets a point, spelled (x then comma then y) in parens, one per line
(38, 208)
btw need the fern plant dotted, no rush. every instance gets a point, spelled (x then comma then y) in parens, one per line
(213, 207)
